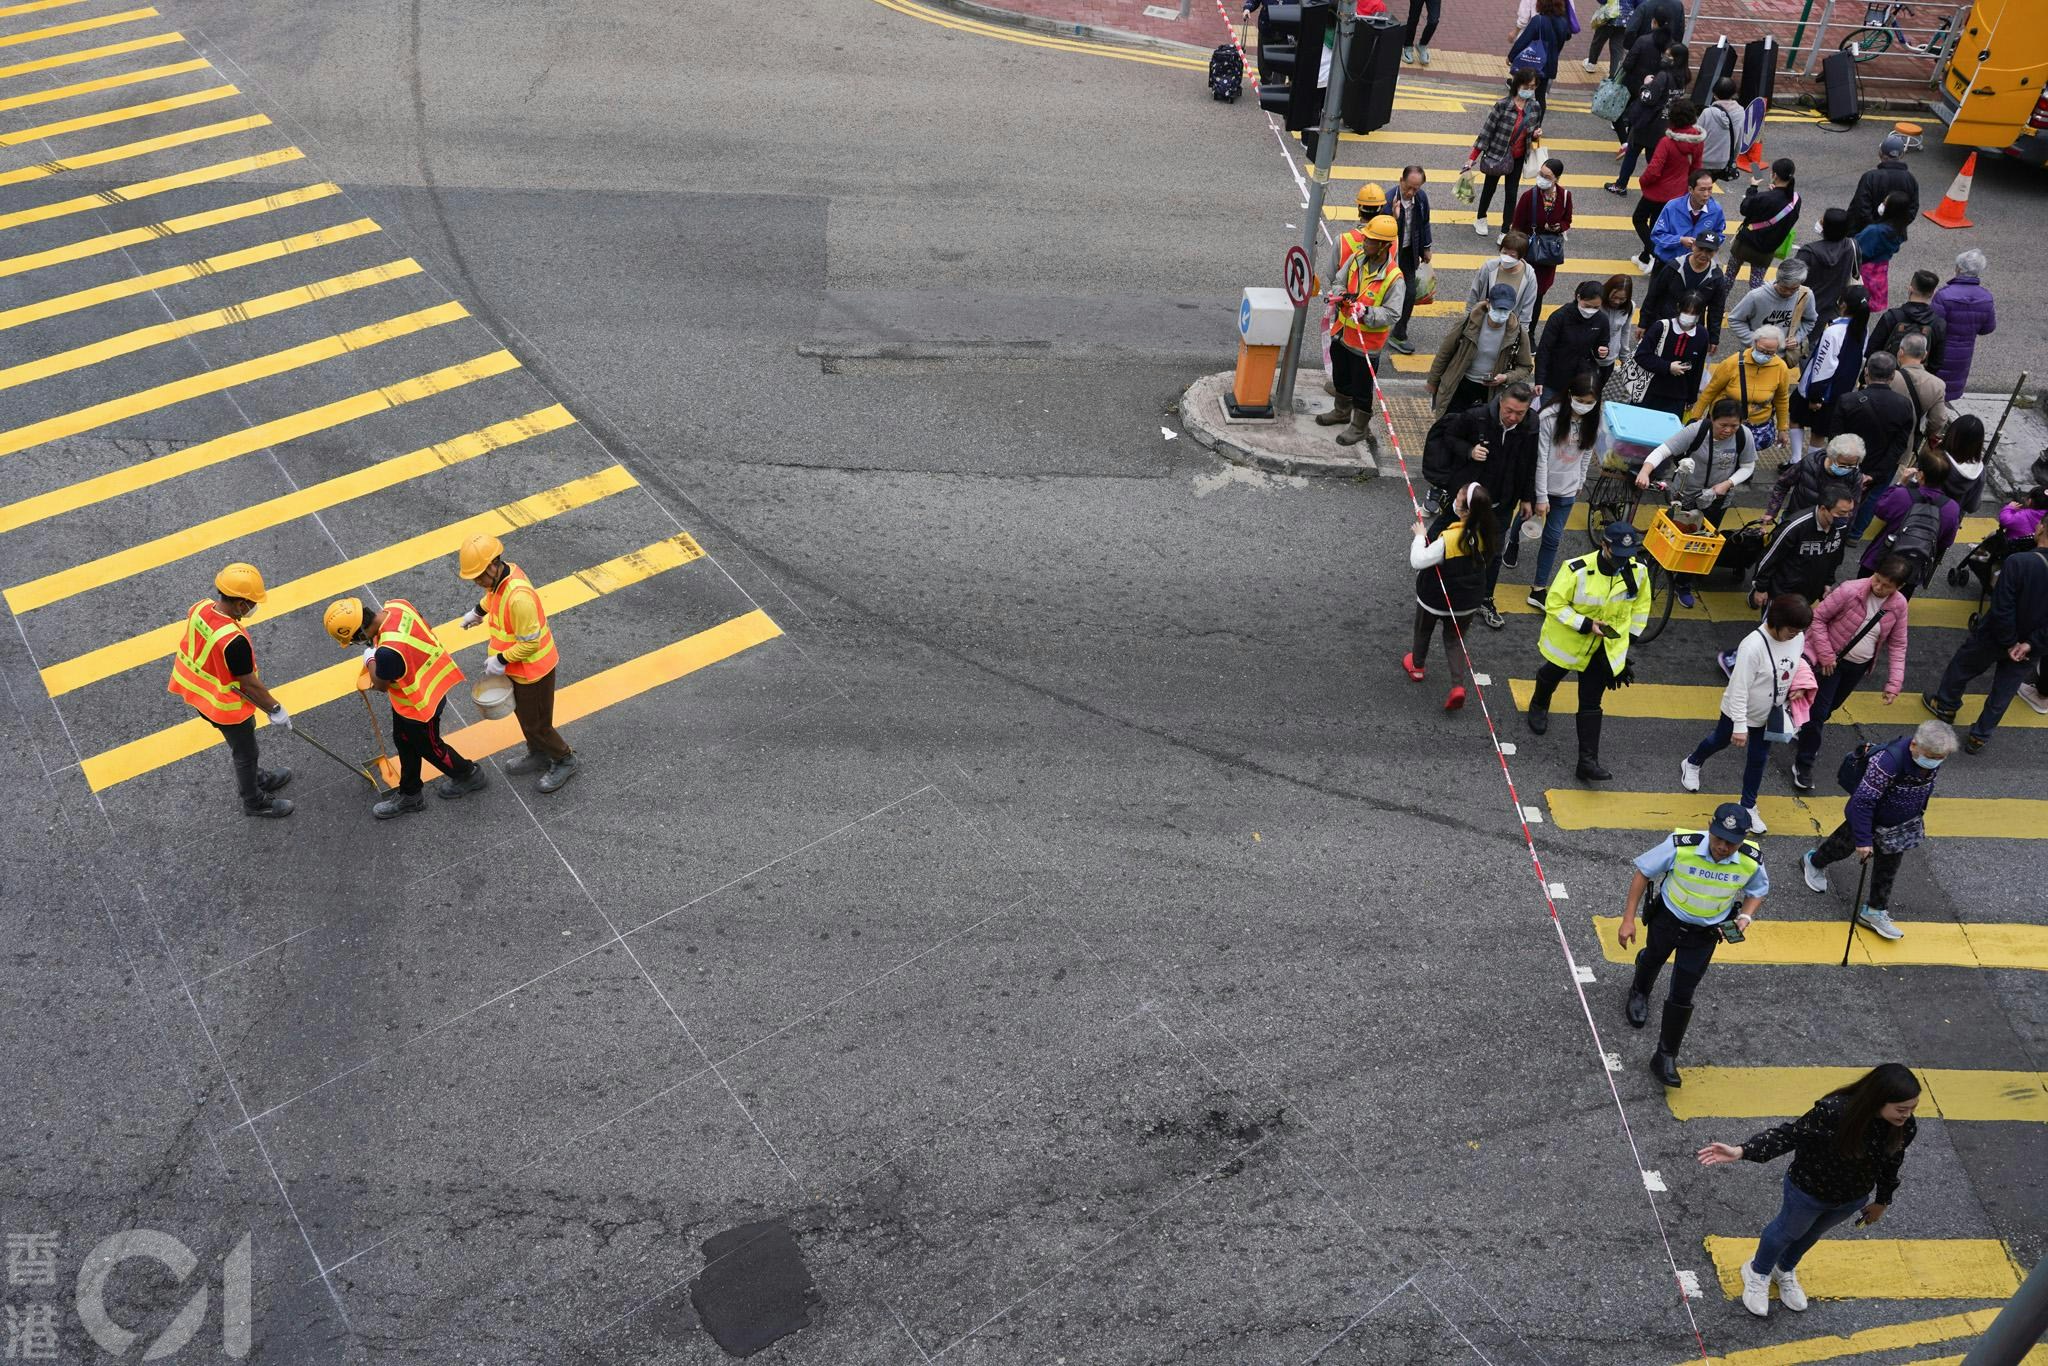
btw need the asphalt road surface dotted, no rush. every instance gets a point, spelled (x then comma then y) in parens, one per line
(1006, 857)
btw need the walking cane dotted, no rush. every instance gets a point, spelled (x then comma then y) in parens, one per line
(1854, 907)
(299, 729)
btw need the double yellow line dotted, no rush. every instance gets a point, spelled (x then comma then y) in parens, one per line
(1079, 47)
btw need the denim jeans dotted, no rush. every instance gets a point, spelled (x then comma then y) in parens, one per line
(1754, 755)
(1800, 1223)
(1553, 537)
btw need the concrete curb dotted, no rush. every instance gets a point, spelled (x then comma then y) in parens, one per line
(993, 14)
(1288, 444)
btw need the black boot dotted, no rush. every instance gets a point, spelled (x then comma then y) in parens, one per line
(1538, 714)
(1664, 1062)
(1590, 767)
(1638, 1007)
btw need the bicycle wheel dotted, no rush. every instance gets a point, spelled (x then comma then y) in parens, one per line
(1661, 597)
(1606, 501)
(1866, 43)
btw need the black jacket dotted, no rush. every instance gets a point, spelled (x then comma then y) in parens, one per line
(1799, 484)
(1883, 417)
(1760, 204)
(1570, 343)
(2019, 603)
(1645, 17)
(1801, 558)
(1821, 1169)
(1914, 314)
(1672, 281)
(1645, 58)
(1660, 346)
(1830, 269)
(1508, 473)
(1877, 182)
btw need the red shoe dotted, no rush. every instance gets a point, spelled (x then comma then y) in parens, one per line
(1456, 699)
(1413, 669)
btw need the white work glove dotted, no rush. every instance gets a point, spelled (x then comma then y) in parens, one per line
(473, 620)
(370, 659)
(280, 717)
(494, 666)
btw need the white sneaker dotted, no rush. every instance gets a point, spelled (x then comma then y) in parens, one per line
(1688, 775)
(1756, 822)
(2031, 695)
(1879, 920)
(1587, 67)
(1756, 1291)
(1790, 1293)
(1479, 226)
(1816, 878)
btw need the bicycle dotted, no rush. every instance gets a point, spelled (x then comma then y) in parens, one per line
(1678, 542)
(1882, 29)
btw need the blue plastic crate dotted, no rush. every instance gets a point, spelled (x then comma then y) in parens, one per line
(1634, 432)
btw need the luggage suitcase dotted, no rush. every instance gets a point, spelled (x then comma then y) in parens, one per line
(1226, 73)
(1844, 103)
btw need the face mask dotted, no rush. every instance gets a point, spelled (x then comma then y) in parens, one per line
(1586, 312)
(1688, 320)
(1926, 762)
(1508, 262)
(1497, 316)
(1760, 356)
(1545, 182)
(1582, 407)
(1838, 470)
(1521, 94)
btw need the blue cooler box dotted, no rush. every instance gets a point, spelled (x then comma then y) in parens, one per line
(1634, 432)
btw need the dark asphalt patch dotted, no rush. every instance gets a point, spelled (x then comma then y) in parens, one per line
(755, 1289)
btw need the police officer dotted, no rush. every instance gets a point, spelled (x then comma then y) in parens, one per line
(1706, 881)
(1597, 603)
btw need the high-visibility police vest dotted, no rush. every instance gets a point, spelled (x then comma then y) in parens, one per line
(1580, 591)
(1370, 291)
(498, 616)
(429, 669)
(1699, 891)
(199, 670)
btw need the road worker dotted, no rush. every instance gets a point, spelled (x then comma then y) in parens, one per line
(215, 670)
(406, 662)
(523, 650)
(1368, 293)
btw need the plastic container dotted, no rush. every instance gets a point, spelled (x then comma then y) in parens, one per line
(1682, 551)
(1634, 432)
(493, 696)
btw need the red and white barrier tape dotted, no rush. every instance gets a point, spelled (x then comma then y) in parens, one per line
(1251, 69)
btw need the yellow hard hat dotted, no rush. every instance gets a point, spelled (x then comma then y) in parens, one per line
(1383, 228)
(343, 618)
(1371, 196)
(478, 552)
(240, 580)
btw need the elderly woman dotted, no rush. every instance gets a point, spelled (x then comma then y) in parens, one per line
(1759, 379)
(1966, 306)
(1884, 818)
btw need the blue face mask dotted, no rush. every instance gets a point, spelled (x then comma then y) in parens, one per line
(1926, 762)
(1837, 470)
(1759, 356)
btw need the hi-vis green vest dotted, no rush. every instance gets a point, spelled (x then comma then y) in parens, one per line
(1700, 891)
(1579, 592)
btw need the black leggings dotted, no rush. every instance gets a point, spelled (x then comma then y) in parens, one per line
(1507, 214)
(1645, 218)
(1607, 36)
(1666, 934)
(1426, 624)
(417, 740)
(1415, 8)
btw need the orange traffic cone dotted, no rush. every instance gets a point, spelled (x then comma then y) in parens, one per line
(1949, 212)
(1753, 159)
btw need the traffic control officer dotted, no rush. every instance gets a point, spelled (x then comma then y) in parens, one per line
(1368, 293)
(1596, 604)
(1708, 886)
(406, 662)
(523, 650)
(215, 670)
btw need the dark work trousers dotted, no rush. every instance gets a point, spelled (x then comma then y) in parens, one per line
(1831, 691)
(1408, 261)
(1514, 180)
(1664, 935)
(1594, 681)
(1645, 218)
(1426, 624)
(534, 704)
(1977, 653)
(1607, 36)
(1469, 394)
(1351, 371)
(1883, 867)
(1415, 8)
(417, 740)
(241, 738)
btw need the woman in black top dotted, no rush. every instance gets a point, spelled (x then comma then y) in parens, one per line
(1769, 216)
(1674, 353)
(1853, 1139)
(1450, 562)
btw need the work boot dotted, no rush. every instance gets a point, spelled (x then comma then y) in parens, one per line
(275, 808)
(559, 772)
(1337, 416)
(533, 761)
(1590, 767)
(1638, 1007)
(270, 780)
(399, 804)
(1664, 1062)
(1359, 430)
(1538, 717)
(452, 787)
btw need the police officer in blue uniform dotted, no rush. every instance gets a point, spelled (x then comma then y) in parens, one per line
(1708, 885)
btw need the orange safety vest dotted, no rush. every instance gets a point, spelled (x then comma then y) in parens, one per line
(430, 670)
(1368, 292)
(498, 617)
(199, 671)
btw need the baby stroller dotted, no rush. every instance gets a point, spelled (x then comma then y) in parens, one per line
(1984, 559)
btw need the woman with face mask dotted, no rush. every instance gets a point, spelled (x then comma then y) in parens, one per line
(1544, 215)
(1885, 818)
(1512, 127)
(1570, 437)
(1673, 353)
(1450, 561)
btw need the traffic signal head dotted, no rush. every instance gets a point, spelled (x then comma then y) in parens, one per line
(1291, 46)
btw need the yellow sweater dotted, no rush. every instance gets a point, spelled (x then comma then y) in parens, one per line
(1769, 387)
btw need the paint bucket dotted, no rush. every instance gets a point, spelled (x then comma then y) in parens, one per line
(493, 696)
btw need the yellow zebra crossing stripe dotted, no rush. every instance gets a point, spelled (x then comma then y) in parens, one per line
(37, 35)
(125, 114)
(262, 436)
(189, 737)
(163, 550)
(2010, 818)
(170, 227)
(1768, 1092)
(1702, 702)
(1968, 531)
(184, 137)
(1870, 1341)
(126, 194)
(137, 77)
(1394, 139)
(1817, 943)
(32, 6)
(1858, 1268)
(321, 585)
(1581, 222)
(90, 54)
(1734, 607)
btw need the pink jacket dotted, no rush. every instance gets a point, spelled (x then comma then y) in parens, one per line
(1837, 618)
(1799, 694)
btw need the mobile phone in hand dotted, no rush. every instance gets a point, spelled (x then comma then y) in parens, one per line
(1731, 932)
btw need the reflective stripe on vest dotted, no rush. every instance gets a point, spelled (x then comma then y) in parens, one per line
(1700, 891)
(199, 670)
(429, 669)
(498, 618)
(1372, 291)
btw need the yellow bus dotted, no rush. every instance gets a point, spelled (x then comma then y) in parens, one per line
(1994, 94)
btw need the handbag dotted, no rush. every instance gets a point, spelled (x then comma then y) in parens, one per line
(1609, 13)
(1534, 57)
(1425, 283)
(1764, 433)
(1545, 249)
(1897, 839)
(1777, 725)
(1571, 14)
(1610, 101)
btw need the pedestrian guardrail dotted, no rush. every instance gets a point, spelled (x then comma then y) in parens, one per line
(1901, 47)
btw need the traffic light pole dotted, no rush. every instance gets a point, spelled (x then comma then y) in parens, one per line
(1319, 184)
(2019, 1325)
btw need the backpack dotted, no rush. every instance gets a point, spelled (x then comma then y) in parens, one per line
(1226, 72)
(1907, 329)
(1534, 57)
(1857, 762)
(1915, 537)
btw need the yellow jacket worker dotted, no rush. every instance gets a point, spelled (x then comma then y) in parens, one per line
(214, 670)
(1595, 606)
(523, 651)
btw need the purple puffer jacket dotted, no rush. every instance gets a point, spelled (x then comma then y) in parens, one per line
(1893, 791)
(1967, 308)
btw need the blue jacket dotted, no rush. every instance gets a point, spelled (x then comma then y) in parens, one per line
(1678, 220)
(1554, 32)
(1419, 237)
(1893, 791)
